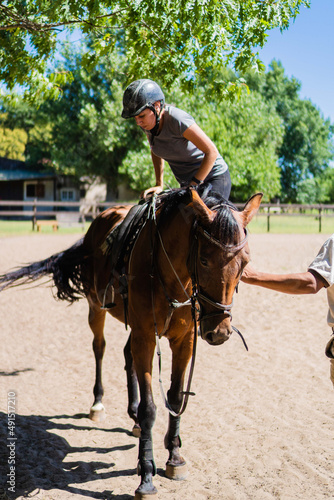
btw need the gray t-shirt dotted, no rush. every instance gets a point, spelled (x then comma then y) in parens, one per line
(183, 157)
(323, 264)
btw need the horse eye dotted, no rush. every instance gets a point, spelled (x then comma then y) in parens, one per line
(203, 261)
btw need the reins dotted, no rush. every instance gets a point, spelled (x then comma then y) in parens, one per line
(173, 305)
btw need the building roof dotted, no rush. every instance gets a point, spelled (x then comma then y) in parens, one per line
(16, 170)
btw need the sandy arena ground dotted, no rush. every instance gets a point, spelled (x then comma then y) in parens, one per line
(260, 427)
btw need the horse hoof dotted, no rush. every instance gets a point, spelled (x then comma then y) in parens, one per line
(176, 472)
(136, 431)
(149, 495)
(97, 413)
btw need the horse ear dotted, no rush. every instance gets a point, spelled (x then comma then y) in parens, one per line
(201, 210)
(251, 208)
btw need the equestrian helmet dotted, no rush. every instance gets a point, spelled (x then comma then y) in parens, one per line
(139, 95)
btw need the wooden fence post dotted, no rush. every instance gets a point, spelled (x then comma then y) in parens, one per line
(34, 217)
(320, 212)
(268, 220)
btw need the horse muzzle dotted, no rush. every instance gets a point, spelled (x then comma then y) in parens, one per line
(217, 335)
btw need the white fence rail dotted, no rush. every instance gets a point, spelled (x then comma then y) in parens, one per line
(55, 210)
(51, 210)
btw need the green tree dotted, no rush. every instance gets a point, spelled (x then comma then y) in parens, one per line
(247, 134)
(36, 128)
(12, 142)
(324, 187)
(82, 133)
(89, 138)
(164, 39)
(307, 147)
(137, 170)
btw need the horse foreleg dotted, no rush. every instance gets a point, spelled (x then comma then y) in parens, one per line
(143, 351)
(96, 319)
(132, 384)
(176, 465)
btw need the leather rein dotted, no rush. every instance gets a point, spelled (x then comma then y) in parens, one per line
(194, 300)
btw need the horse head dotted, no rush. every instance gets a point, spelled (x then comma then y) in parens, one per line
(219, 256)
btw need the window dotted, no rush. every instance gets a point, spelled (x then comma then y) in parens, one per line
(36, 190)
(31, 190)
(67, 194)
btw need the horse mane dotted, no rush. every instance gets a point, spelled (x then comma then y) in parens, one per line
(224, 227)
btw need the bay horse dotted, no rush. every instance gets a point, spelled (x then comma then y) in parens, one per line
(182, 268)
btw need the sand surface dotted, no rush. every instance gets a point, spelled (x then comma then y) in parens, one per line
(260, 427)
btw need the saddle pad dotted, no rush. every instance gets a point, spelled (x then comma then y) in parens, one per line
(120, 240)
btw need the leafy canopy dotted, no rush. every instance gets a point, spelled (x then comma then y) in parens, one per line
(247, 133)
(272, 140)
(307, 148)
(165, 39)
(12, 142)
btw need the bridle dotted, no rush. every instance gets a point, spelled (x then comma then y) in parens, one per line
(193, 257)
(194, 300)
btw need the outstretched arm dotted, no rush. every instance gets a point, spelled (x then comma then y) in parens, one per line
(294, 283)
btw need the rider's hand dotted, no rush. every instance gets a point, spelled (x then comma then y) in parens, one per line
(151, 191)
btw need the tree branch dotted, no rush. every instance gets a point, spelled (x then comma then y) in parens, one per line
(33, 26)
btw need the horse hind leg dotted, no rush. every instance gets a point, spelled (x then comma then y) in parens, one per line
(132, 384)
(96, 319)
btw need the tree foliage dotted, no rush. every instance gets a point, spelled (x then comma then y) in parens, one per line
(247, 133)
(34, 126)
(83, 133)
(12, 142)
(170, 39)
(307, 147)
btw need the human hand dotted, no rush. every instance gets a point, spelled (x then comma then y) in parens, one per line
(151, 191)
(248, 273)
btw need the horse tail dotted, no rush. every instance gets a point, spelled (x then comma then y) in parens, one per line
(68, 270)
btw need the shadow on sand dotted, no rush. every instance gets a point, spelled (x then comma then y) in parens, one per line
(39, 458)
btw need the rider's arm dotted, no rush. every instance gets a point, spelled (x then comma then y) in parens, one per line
(294, 283)
(158, 164)
(196, 135)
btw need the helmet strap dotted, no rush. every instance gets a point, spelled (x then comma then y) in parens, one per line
(155, 129)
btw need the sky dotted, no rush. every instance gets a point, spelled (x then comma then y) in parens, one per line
(306, 51)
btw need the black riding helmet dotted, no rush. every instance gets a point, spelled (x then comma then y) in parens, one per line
(139, 95)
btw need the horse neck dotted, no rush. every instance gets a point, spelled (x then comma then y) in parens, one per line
(172, 251)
